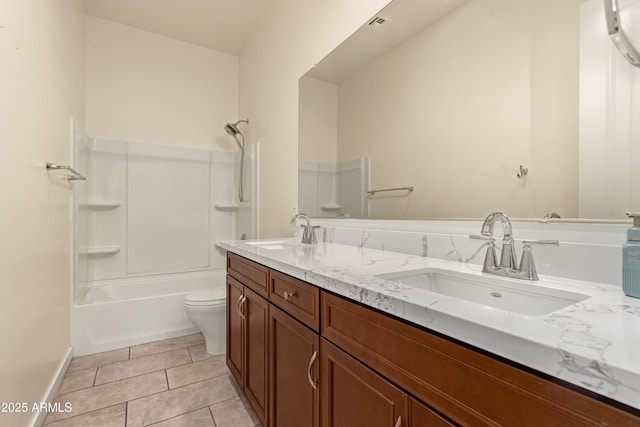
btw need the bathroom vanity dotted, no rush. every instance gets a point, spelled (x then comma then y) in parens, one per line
(325, 335)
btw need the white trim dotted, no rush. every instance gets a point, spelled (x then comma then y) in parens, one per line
(54, 386)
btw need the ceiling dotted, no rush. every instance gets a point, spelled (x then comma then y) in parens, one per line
(222, 25)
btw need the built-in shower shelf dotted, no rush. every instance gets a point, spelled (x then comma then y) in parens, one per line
(226, 206)
(104, 204)
(330, 207)
(102, 250)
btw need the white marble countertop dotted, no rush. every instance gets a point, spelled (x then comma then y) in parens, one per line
(594, 344)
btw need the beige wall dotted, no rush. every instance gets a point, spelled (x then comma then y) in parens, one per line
(454, 111)
(42, 86)
(292, 37)
(318, 120)
(146, 87)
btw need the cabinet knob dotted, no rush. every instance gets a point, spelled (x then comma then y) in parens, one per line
(286, 295)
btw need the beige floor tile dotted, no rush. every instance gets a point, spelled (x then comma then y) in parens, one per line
(178, 401)
(114, 416)
(165, 345)
(200, 418)
(198, 371)
(77, 380)
(199, 352)
(106, 395)
(98, 359)
(142, 365)
(232, 413)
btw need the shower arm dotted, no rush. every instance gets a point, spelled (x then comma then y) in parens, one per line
(617, 35)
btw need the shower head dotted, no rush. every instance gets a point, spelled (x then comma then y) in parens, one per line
(232, 128)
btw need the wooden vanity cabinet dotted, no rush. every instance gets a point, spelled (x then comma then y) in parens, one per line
(294, 398)
(308, 358)
(273, 356)
(469, 387)
(247, 343)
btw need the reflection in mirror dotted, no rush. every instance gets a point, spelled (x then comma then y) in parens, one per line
(458, 98)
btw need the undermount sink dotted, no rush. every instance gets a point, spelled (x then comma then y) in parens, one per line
(505, 294)
(268, 244)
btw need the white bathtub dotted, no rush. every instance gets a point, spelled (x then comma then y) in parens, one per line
(120, 313)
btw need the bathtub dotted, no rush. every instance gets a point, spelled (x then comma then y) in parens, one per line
(120, 313)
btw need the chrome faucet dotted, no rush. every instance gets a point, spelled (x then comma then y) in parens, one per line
(508, 255)
(508, 266)
(309, 233)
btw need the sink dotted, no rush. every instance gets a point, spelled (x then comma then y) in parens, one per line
(503, 293)
(268, 244)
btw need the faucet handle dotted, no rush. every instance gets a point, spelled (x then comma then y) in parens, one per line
(527, 266)
(489, 263)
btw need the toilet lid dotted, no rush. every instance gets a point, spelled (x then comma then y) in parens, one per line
(206, 297)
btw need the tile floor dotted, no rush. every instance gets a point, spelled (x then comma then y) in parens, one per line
(167, 383)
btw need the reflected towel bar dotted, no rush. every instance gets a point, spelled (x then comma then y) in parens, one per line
(372, 192)
(76, 175)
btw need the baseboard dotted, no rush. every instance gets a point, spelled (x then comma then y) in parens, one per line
(54, 386)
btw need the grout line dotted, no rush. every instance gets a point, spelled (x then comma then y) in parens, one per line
(136, 376)
(129, 355)
(200, 380)
(166, 377)
(85, 413)
(112, 382)
(126, 413)
(182, 386)
(95, 375)
(212, 417)
(180, 415)
(185, 345)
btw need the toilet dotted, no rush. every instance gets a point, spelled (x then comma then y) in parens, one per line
(207, 310)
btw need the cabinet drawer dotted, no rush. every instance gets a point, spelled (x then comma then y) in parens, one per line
(251, 274)
(471, 388)
(299, 299)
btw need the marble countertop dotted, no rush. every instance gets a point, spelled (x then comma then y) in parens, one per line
(594, 344)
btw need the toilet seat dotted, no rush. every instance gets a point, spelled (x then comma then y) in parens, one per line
(209, 297)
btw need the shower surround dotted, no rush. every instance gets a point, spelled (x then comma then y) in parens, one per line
(145, 225)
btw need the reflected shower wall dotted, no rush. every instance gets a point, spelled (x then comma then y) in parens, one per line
(332, 190)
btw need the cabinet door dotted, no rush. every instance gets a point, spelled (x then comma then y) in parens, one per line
(235, 347)
(255, 310)
(355, 396)
(293, 372)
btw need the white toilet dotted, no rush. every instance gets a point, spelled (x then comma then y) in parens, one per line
(207, 310)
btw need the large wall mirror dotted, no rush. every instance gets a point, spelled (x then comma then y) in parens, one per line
(464, 107)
